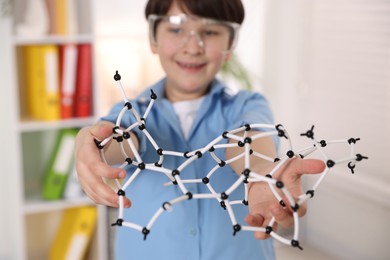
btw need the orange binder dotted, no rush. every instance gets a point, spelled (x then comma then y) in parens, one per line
(83, 94)
(68, 68)
(61, 16)
(65, 16)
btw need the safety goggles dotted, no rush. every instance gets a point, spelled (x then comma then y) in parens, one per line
(178, 30)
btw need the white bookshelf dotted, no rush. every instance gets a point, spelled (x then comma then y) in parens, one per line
(28, 223)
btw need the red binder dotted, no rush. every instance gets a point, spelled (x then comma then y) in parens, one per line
(83, 94)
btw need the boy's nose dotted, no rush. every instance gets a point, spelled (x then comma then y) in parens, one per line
(193, 43)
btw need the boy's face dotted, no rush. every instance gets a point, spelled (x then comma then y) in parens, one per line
(190, 66)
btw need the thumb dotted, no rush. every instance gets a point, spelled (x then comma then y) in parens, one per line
(102, 130)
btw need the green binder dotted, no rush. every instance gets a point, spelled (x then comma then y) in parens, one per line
(60, 165)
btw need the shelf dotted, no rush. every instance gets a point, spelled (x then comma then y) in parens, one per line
(29, 125)
(37, 206)
(30, 143)
(52, 39)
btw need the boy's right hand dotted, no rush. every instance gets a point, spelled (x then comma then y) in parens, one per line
(92, 170)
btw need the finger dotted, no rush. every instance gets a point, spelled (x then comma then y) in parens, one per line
(308, 166)
(96, 190)
(87, 153)
(101, 193)
(91, 179)
(106, 171)
(255, 220)
(282, 216)
(300, 208)
(110, 200)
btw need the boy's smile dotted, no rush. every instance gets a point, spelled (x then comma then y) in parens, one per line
(191, 67)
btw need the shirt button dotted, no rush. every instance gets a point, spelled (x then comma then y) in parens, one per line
(193, 232)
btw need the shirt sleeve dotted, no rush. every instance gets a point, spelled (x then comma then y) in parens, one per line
(253, 108)
(249, 108)
(112, 116)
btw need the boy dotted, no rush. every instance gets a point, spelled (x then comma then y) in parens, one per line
(193, 39)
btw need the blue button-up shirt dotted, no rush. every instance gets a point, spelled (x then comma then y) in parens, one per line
(198, 228)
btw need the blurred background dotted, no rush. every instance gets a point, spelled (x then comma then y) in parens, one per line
(319, 62)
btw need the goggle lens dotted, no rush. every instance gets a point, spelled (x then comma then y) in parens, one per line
(178, 30)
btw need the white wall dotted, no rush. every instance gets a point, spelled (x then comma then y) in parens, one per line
(251, 43)
(122, 44)
(308, 79)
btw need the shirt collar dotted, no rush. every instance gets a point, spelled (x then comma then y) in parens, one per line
(217, 87)
(166, 107)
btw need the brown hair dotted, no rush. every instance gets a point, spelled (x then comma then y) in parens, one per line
(225, 10)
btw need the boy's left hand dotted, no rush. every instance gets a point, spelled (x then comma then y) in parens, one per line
(262, 203)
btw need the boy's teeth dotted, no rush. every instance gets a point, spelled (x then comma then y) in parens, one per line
(190, 65)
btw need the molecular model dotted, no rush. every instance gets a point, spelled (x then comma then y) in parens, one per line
(177, 177)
